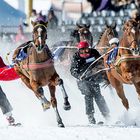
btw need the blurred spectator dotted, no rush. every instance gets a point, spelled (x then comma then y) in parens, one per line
(33, 15)
(52, 19)
(121, 2)
(99, 5)
(135, 14)
(20, 36)
(32, 18)
(137, 5)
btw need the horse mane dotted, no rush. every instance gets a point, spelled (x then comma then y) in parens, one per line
(100, 36)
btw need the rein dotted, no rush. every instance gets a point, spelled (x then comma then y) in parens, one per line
(99, 59)
(81, 77)
(98, 48)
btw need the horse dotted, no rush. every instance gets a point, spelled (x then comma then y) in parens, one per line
(36, 69)
(82, 33)
(103, 42)
(126, 67)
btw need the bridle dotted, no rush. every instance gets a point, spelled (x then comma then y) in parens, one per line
(39, 29)
(133, 31)
(84, 33)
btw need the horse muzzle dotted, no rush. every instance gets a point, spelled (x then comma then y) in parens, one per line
(135, 51)
(135, 48)
(39, 48)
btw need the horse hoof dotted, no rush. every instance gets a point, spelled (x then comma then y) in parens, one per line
(61, 125)
(67, 105)
(46, 106)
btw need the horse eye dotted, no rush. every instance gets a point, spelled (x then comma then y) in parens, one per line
(109, 33)
(135, 24)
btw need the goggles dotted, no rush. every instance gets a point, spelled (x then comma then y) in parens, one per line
(84, 50)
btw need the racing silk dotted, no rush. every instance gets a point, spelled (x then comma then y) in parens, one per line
(22, 53)
(112, 56)
(1, 63)
(7, 73)
(79, 64)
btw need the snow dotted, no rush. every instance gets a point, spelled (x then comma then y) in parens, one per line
(39, 125)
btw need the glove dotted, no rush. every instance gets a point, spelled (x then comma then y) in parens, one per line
(86, 76)
(80, 78)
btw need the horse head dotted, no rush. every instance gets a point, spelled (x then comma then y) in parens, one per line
(82, 33)
(109, 33)
(39, 34)
(131, 36)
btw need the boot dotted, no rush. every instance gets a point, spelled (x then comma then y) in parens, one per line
(107, 117)
(91, 119)
(10, 120)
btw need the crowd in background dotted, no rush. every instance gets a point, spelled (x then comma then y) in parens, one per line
(20, 36)
(115, 5)
(97, 7)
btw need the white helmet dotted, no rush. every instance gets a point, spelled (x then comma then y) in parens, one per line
(113, 40)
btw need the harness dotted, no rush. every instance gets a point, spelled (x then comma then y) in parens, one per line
(114, 65)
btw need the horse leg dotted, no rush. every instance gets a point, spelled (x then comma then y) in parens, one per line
(120, 92)
(24, 79)
(39, 92)
(119, 89)
(67, 105)
(52, 89)
(137, 86)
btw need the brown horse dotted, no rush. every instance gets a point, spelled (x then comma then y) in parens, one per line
(126, 68)
(103, 42)
(36, 69)
(82, 33)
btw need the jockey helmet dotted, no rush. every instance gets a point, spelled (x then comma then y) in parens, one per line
(84, 50)
(114, 41)
(83, 44)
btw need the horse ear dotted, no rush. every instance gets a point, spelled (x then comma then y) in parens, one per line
(123, 28)
(46, 23)
(113, 25)
(87, 26)
(79, 26)
(33, 23)
(106, 23)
